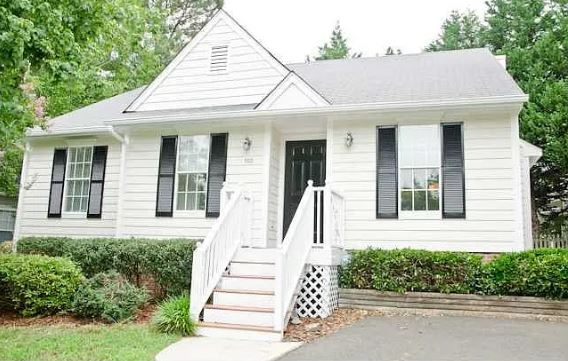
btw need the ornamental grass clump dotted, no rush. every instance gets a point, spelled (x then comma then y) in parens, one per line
(172, 316)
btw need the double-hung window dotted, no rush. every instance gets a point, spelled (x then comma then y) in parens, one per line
(419, 171)
(192, 166)
(77, 179)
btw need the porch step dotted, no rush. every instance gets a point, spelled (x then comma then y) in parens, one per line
(256, 255)
(250, 298)
(247, 282)
(252, 268)
(250, 316)
(237, 331)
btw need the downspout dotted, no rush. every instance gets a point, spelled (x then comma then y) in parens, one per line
(124, 140)
(19, 210)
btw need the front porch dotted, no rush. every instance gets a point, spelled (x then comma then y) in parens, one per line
(256, 287)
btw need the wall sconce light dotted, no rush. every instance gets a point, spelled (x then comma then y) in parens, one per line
(349, 140)
(246, 144)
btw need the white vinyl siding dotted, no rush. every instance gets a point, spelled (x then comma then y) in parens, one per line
(246, 78)
(33, 214)
(491, 216)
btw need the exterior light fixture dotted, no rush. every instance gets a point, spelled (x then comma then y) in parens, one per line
(246, 144)
(349, 139)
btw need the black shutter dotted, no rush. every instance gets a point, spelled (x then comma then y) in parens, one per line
(57, 181)
(166, 177)
(387, 173)
(217, 172)
(97, 182)
(453, 177)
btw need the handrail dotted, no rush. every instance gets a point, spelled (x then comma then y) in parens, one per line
(291, 260)
(212, 257)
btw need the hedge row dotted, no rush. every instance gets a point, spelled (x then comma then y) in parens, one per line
(162, 265)
(542, 273)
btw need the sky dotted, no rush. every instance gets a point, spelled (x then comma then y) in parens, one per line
(292, 29)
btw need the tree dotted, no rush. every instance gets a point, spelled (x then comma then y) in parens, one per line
(59, 55)
(186, 17)
(391, 51)
(459, 31)
(532, 34)
(337, 47)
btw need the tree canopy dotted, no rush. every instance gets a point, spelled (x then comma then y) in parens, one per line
(462, 30)
(533, 34)
(337, 47)
(59, 55)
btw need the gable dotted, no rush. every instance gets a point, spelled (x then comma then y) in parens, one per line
(292, 92)
(222, 65)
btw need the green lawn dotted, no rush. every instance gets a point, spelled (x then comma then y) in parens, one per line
(129, 342)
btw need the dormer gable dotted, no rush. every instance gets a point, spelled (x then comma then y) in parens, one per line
(292, 93)
(222, 66)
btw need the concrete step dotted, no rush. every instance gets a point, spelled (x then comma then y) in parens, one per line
(256, 255)
(252, 268)
(250, 316)
(243, 298)
(247, 282)
(238, 332)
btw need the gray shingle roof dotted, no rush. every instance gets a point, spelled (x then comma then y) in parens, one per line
(440, 76)
(446, 75)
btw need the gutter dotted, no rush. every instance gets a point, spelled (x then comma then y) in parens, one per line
(323, 110)
(36, 132)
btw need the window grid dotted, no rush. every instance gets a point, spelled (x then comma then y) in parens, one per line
(77, 179)
(193, 159)
(424, 189)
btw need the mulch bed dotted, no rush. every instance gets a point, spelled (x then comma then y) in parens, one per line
(10, 318)
(310, 329)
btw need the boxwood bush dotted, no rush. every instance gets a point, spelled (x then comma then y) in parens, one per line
(163, 265)
(108, 296)
(412, 270)
(34, 285)
(542, 273)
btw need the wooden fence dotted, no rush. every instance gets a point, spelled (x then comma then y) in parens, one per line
(551, 242)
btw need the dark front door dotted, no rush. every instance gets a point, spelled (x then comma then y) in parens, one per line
(305, 160)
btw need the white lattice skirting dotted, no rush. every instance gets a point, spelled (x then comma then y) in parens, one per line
(319, 293)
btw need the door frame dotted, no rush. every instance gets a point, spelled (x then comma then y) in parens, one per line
(282, 170)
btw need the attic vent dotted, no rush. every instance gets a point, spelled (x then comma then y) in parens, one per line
(219, 58)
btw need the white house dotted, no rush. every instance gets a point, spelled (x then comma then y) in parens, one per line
(419, 151)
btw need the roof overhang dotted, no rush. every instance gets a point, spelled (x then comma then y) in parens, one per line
(530, 151)
(156, 119)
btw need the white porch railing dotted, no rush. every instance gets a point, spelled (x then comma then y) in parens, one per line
(318, 222)
(211, 258)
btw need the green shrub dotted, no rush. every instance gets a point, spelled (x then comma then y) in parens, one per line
(34, 285)
(172, 316)
(108, 296)
(165, 263)
(412, 270)
(542, 272)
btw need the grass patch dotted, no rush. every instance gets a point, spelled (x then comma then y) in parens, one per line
(126, 342)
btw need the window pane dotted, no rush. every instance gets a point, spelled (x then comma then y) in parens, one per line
(433, 201)
(201, 184)
(180, 202)
(191, 201)
(406, 200)
(419, 200)
(406, 178)
(201, 201)
(433, 179)
(182, 183)
(191, 187)
(419, 146)
(419, 179)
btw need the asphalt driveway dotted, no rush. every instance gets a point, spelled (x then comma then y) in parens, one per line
(440, 338)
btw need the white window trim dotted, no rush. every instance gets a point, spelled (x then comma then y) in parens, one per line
(419, 215)
(71, 214)
(190, 213)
